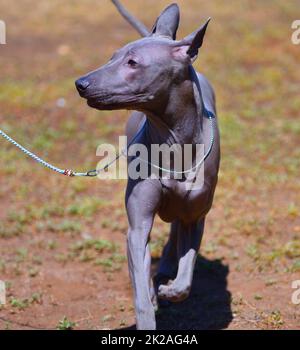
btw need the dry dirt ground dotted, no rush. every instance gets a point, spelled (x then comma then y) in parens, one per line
(62, 241)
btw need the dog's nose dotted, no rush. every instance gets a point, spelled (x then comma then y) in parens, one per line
(82, 84)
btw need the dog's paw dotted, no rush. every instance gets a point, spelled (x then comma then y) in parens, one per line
(173, 293)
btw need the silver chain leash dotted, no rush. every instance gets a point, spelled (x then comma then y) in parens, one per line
(67, 172)
(95, 172)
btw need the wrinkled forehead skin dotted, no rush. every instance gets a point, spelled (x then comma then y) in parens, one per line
(149, 48)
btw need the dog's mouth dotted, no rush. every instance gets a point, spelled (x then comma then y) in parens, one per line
(114, 101)
(94, 101)
(101, 102)
(106, 103)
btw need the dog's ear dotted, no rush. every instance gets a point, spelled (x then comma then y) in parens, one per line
(167, 23)
(189, 47)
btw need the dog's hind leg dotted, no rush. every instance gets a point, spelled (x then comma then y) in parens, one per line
(188, 243)
(169, 261)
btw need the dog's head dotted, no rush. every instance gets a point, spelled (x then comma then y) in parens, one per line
(141, 74)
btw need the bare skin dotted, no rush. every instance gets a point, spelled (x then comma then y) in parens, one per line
(154, 77)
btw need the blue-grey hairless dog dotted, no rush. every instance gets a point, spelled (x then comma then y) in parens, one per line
(153, 76)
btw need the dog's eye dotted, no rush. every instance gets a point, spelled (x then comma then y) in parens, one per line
(132, 63)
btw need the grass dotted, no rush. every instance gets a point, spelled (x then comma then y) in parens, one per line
(99, 245)
(86, 207)
(7, 231)
(22, 304)
(112, 263)
(61, 226)
(273, 319)
(65, 324)
(19, 304)
(101, 251)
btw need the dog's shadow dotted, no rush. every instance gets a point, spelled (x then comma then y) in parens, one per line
(209, 304)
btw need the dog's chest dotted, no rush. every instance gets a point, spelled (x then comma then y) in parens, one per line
(178, 202)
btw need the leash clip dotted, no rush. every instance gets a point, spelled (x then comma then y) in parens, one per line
(92, 173)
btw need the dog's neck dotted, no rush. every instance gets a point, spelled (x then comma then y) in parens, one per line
(181, 116)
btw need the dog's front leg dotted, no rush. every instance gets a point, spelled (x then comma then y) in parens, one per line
(142, 200)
